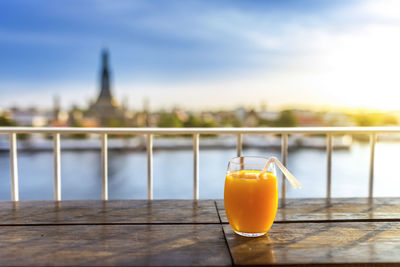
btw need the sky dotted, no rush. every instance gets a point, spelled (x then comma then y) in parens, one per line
(203, 54)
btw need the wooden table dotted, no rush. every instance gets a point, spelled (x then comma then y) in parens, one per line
(184, 232)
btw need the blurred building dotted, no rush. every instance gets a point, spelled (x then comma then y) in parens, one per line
(268, 115)
(181, 114)
(59, 117)
(29, 117)
(105, 109)
(251, 119)
(338, 119)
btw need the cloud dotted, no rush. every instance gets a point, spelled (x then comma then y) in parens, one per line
(205, 54)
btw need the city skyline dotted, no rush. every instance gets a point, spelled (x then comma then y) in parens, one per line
(202, 54)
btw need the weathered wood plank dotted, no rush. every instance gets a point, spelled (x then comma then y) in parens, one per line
(112, 211)
(336, 209)
(117, 245)
(345, 243)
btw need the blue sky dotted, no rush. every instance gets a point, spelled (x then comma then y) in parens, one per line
(202, 54)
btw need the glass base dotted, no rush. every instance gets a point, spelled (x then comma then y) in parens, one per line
(249, 234)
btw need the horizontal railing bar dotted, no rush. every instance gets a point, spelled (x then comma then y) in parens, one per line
(175, 131)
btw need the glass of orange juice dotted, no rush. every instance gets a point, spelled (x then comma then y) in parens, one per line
(251, 199)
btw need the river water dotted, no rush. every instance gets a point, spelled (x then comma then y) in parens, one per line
(173, 172)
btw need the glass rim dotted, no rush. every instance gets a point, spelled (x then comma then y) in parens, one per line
(232, 160)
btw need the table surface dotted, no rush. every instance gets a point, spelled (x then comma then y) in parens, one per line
(349, 231)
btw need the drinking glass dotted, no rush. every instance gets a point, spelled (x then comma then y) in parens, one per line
(251, 199)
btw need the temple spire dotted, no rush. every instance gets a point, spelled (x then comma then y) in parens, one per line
(105, 110)
(105, 59)
(105, 92)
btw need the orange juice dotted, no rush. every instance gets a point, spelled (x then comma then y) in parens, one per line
(251, 202)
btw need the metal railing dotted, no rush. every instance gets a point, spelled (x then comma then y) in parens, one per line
(195, 132)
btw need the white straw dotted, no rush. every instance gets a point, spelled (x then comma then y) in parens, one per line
(293, 181)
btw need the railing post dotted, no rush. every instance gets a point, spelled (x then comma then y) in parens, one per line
(284, 155)
(195, 166)
(239, 145)
(328, 165)
(57, 167)
(372, 139)
(104, 166)
(14, 166)
(149, 148)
